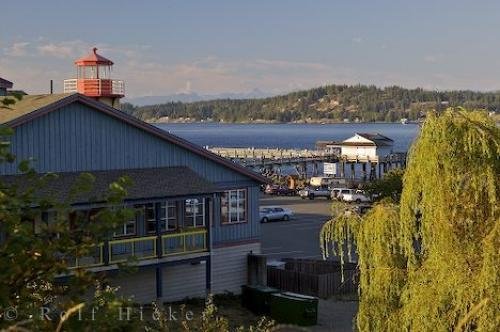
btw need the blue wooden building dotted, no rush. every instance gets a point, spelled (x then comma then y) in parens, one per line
(197, 213)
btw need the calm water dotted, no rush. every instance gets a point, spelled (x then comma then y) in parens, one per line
(303, 136)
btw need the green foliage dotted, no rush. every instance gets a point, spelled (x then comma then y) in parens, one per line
(432, 263)
(7, 101)
(389, 186)
(331, 103)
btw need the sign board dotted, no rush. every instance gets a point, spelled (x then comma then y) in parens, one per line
(329, 168)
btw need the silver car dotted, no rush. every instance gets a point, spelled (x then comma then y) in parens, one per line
(268, 213)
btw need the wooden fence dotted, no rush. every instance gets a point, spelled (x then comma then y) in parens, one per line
(314, 277)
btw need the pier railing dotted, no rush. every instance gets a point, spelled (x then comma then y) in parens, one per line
(269, 156)
(266, 157)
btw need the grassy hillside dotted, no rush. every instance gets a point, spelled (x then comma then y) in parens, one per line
(332, 103)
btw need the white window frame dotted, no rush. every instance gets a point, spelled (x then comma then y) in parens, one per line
(195, 202)
(168, 219)
(231, 210)
(125, 224)
(147, 221)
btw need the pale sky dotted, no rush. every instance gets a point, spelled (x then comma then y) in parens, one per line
(210, 47)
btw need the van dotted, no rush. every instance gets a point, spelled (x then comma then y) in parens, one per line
(318, 181)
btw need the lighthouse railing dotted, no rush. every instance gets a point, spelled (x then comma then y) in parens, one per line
(95, 87)
(70, 85)
(117, 87)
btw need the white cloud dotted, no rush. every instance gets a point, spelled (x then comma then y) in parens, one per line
(433, 58)
(55, 50)
(31, 64)
(17, 49)
(213, 75)
(64, 49)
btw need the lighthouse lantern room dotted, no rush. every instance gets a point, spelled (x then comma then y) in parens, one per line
(93, 79)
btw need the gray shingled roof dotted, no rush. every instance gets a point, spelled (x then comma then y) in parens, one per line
(148, 183)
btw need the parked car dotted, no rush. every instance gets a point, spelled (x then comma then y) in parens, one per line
(357, 196)
(269, 213)
(271, 189)
(285, 191)
(336, 193)
(279, 190)
(313, 192)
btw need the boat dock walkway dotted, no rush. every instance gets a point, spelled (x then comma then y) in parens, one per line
(274, 156)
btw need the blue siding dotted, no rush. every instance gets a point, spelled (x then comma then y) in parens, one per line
(243, 231)
(78, 138)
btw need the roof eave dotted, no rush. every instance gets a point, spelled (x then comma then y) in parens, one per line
(139, 124)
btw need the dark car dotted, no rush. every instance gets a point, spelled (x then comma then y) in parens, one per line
(285, 191)
(279, 190)
(271, 189)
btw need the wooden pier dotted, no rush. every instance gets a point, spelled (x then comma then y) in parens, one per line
(270, 161)
(253, 157)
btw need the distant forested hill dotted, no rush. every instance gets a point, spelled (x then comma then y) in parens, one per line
(332, 103)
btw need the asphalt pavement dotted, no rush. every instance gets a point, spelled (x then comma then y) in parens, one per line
(298, 237)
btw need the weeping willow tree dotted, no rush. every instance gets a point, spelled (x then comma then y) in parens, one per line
(432, 262)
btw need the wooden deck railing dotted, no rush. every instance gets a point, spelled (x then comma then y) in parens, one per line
(189, 242)
(140, 248)
(88, 261)
(120, 250)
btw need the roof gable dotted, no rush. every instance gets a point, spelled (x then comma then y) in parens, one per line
(27, 114)
(5, 83)
(358, 139)
(375, 139)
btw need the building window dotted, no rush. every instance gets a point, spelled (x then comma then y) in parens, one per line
(46, 221)
(129, 227)
(150, 218)
(46, 224)
(195, 213)
(234, 206)
(168, 217)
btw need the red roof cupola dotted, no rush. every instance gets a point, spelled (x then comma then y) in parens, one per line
(93, 79)
(93, 59)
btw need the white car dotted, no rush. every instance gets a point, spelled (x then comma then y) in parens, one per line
(268, 213)
(338, 192)
(357, 196)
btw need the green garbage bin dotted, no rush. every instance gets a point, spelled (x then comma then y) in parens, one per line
(292, 308)
(257, 298)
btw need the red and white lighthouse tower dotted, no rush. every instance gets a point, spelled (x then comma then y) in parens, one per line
(93, 79)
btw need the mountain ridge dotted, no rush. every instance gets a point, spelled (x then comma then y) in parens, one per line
(330, 103)
(189, 97)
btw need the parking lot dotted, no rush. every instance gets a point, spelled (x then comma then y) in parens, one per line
(298, 237)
